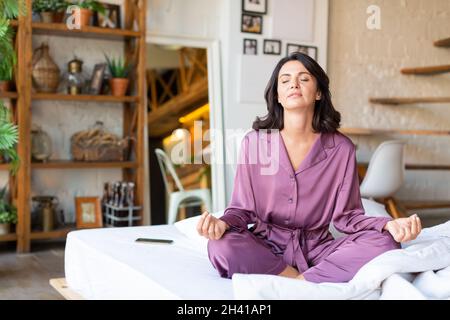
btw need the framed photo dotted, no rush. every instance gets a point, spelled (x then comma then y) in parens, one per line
(111, 17)
(250, 46)
(272, 47)
(254, 6)
(89, 212)
(251, 23)
(97, 78)
(309, 50)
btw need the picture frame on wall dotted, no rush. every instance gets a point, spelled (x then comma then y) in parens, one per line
(254, 6)
(251, 23)
(271, 46)
(250, 47)
(111, 17)
(309, 50)
(88, 212)
(98, 73)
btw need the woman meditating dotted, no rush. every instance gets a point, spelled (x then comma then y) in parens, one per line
(312, 182)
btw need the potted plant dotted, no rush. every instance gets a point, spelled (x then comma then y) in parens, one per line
(86, 8)
(4, 82)
(9, 9)
(7, 58)
(8, 213)
(119, 70)
(50, 10)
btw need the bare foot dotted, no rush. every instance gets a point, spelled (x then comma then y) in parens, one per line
(289, 272)
(300, 277)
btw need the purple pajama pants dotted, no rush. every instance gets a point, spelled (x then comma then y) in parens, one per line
(330, 260)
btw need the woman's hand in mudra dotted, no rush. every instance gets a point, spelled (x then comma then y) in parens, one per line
(404, 229)
(210, 227)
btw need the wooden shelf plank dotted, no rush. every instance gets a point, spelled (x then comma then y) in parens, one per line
(68, 164)
(8, 237)
(414, 166)
(425, 204)
(9, 95)
(397, 101)
(59, 233)
(426, 70)
(83, 97)
(442, 43)
(60, 29)
(4, 166)
(371, 132)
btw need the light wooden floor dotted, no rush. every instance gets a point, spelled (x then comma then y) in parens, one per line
(26, 276)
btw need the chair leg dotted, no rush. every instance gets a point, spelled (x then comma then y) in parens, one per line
(393, 208)
(173, 209)
(207, 201)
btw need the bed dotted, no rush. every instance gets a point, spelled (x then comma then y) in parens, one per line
(109, 264)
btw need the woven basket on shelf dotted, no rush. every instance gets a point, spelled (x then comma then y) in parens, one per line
(45, 73)
(97, 145)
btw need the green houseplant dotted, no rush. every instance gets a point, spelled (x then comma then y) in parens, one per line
(5, 70)
(119, 70)
(9, 9)
(8, 213)
(50, 10)
(86, 9)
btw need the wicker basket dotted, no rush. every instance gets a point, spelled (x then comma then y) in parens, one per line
(97, 145)
(45, 73)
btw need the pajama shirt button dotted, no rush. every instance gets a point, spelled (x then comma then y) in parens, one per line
(290, 200)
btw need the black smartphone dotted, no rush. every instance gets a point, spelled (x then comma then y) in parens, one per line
(150, 240)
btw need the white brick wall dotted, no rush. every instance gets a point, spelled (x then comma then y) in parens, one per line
(363, 63)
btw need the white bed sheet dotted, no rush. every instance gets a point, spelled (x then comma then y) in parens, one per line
(109, 264)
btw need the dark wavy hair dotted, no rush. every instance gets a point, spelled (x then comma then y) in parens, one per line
(325, 120)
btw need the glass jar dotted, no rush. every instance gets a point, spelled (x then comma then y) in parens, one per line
(74, 81)
(41, 144)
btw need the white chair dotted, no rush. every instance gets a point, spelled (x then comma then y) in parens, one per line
(182, 198)
(385, 174)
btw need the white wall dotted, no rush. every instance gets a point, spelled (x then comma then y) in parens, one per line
(241, 114)
(221, 20)
(366, 63)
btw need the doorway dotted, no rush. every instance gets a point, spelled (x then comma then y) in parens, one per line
(176, 66)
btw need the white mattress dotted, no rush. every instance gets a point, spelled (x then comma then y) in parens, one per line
(109, 264)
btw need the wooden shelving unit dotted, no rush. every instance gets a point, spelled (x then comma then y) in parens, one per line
(60, 29)
(372, 131)
(426, 70)
(442, 43)
(68, 164)
(8, 237)
(133, 111)
(58, 233)
(83, 97)
(400, 101)
(9, 95)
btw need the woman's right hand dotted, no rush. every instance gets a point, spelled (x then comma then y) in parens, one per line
(210, 227)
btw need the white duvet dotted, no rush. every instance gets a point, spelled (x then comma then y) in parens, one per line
(420, 270)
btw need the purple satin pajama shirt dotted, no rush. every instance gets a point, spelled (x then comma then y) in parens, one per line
(291, 212)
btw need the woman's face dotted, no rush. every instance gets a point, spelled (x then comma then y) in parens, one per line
(297, 88)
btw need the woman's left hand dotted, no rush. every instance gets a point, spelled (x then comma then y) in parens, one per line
(404, 229)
